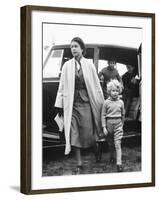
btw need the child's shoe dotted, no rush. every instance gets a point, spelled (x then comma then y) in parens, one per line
(119, 168)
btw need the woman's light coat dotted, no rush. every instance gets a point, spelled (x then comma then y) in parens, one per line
(65, 95)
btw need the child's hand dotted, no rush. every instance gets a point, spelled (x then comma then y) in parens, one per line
(105, 131)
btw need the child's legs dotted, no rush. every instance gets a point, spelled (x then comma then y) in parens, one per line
(118, 134)
(118, 152)
(110, 139)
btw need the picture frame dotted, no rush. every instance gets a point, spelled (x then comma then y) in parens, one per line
(33, 21)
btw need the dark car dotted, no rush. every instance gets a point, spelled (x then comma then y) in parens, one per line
(99, 55)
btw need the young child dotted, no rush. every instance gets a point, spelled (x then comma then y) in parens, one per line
(112, 118)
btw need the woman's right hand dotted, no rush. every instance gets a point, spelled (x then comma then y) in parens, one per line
(105, 131)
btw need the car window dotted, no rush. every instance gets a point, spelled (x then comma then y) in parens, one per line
(102, 64)
(57, 58)
(53, 64)
(120, 67)
(67, 55)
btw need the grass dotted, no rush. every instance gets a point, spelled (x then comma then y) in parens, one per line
(65, 165)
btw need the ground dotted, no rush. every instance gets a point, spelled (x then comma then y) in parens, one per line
(57, 164)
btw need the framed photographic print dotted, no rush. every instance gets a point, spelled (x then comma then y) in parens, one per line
(87, 99)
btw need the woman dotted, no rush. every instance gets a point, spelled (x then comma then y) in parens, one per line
(81, 97)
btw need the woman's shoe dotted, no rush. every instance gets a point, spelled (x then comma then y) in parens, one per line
(119, 168)
(78, 169)
(98, 158)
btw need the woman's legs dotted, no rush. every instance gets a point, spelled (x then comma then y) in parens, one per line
(97, 150)
(78, 156)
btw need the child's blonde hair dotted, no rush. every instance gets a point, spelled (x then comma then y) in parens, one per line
(114, 84)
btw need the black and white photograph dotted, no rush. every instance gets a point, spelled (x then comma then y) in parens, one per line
(89, 97)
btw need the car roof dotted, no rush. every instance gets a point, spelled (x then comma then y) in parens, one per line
(96, 45)
(121, 54)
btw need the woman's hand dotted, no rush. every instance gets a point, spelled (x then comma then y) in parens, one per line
(105, 131)
(60, 112)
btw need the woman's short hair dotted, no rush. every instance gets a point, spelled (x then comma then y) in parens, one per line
(114, 84)
(81, 43)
